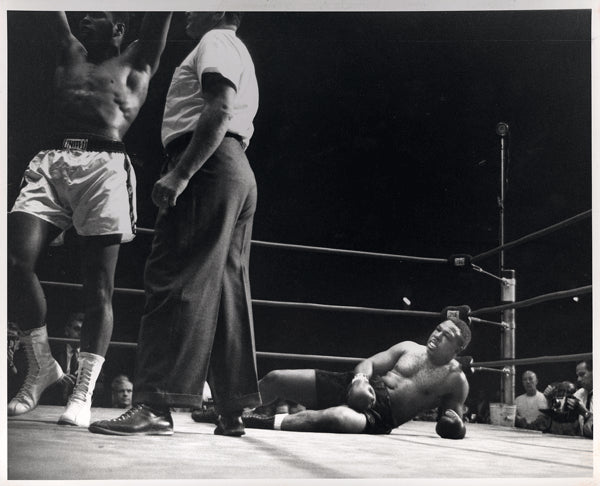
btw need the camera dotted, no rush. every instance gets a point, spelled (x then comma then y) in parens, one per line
(558, 410)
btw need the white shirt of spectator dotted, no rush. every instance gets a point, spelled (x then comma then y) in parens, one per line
(219, 51)
(528, 407)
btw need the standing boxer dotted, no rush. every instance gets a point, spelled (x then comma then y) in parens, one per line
(82, 178)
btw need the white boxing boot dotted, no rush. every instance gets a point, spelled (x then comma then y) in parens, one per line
(42, 371)
(80, 401)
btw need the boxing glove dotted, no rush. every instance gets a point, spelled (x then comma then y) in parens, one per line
(360, 396)
(450, 426)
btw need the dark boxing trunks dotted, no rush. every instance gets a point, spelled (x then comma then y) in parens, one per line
(332, 389)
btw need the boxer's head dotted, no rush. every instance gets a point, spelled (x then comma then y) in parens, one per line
(103, 28)
(199, 23)
(449, 338)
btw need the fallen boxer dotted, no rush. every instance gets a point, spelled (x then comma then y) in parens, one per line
(384, 391)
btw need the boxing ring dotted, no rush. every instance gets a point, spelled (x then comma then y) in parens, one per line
(194, 453)
(506, 324)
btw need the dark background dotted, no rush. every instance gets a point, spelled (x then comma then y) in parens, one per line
(376, 132)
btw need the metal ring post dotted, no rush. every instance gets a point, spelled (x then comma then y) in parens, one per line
(507, 346)
(502, 131)
(508, 335)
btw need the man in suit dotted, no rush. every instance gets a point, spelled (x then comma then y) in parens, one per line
(67, 355)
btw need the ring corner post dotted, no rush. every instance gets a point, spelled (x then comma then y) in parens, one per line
(508, 294)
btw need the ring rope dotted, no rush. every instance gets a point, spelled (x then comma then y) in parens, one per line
(259, 354)
(485, 321)
(115, 344)
(484, 366)
(348, 359)
(273, 303)
(371, 310)
(309, 357)
(535, 300)
(335, 251)
(505, 370)
(533, 235)
(68, 285)
(344, 308)
(537, 360)
(317, 249)
(505, 246)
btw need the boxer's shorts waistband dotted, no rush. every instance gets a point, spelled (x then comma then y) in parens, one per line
(90, 144)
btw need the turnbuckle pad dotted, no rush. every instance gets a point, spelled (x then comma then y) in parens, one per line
(461, 312)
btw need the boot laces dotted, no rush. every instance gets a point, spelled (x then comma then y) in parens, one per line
(13, 345)
(26, 390)
(30, 356)
(82, 385)
(132, 411)
(33, 370)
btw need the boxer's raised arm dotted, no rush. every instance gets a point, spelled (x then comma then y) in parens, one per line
(146, 51)
(69, 46)
(61, 28)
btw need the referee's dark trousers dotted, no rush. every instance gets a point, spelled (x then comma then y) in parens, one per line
(197, 321)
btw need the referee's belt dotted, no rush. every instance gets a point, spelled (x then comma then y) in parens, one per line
(90, 144)
(180, 143)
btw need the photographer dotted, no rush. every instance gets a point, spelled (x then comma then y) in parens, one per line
(571, 409)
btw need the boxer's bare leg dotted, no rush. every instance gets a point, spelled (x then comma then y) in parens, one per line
(295, 385)
(340, 419)
(28, 238)
(99, 260)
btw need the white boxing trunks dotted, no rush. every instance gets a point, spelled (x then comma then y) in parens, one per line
(93, 191)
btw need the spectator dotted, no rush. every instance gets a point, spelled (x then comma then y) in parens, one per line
(479, 408)
(529, 404)
(17, 364)
(67, 356)
(583, 401)
(560, 420)
(13, 346)
(572, 412)
(122, 389)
